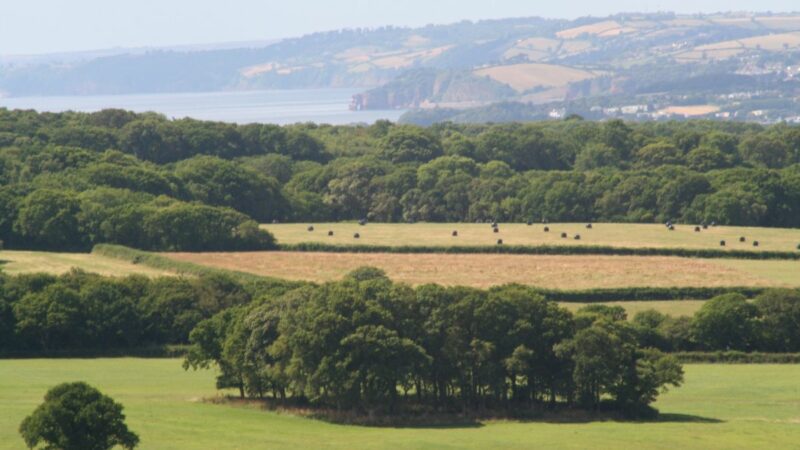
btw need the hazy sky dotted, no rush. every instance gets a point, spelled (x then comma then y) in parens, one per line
(42, 26)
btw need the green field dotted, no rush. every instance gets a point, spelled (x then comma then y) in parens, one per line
(675, 308)
(619, 235)
(720, 406)
(15, 262)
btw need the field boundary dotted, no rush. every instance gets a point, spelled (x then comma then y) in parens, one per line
(157, 261)
(542, 250)
(733, 357)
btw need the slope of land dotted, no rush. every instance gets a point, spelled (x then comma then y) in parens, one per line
(16, 262)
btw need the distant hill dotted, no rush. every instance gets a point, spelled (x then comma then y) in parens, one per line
(637, 66)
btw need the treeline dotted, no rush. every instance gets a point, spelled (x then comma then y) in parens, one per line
(366, 344)
(70, 180)
(81, 312)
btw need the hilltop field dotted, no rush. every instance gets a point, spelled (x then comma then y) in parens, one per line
(720, 406)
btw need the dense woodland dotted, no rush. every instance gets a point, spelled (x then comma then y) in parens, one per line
(71, 180)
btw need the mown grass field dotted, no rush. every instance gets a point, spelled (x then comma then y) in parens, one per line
(16, 262)
(720, 406)
(485, 270)
(617, 235)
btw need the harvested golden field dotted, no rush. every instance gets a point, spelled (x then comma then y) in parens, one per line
(485, 270)
(690, 111)
(604, 234)
(606, 28)
(16, 262)
(523, 77)
(727, 49)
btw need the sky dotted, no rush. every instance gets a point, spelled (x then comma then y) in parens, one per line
(49, 26)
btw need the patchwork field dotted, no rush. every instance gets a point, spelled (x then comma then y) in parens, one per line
(485, 270)
(15, 262)
(720, 406)
(523, 77)
(618, 235)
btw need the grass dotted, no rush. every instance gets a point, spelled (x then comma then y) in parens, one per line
(675, 308)
(720, 406)
(16, 262)
(485, 270)
(470, 234)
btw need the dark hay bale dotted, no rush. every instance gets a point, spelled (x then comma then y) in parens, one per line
(357, 236)
(499, 242)
(455, 233)
(742, 239)
(756, 244)
(713, 224)
(494, 224)
(496, 230)
(546, 229)
(696, 229)
(529, 223)
(672, 228)
(564, 235)
(722, 243)
(577, 237)
(362, 222)
(705, 226)
(330, 233)
(588, 226)
(311, 228)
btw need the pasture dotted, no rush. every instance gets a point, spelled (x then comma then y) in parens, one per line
(674, 308)
(720, 406)
(617, 235)
(16, 262)
(485, 270)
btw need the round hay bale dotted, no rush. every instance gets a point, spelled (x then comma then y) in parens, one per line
(455, 233)
(696, 229)
(756, 244)
(564, 235)
(713, 224)
(357, 236)
(311, 228)
(529, 223)
(589, 226)
(499, 242)
(496, 230)
(546, 229)
(671, 228)
(494, 224)
(577, 237)
(330, 233)
(362, 222)
(705, 226)
(742, 239)
(722, 243)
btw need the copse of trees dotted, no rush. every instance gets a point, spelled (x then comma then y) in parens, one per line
(85, 313)
(60, 175)
(367, 344)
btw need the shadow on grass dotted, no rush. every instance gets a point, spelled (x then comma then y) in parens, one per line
(452, 420)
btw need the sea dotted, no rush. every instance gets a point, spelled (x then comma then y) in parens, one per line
(323, 106)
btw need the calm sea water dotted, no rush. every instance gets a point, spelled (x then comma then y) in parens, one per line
(280, 107)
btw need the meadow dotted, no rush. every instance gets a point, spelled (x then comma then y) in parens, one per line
(720, 406)
(601, 234)
(485, 270)
(16, 262)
